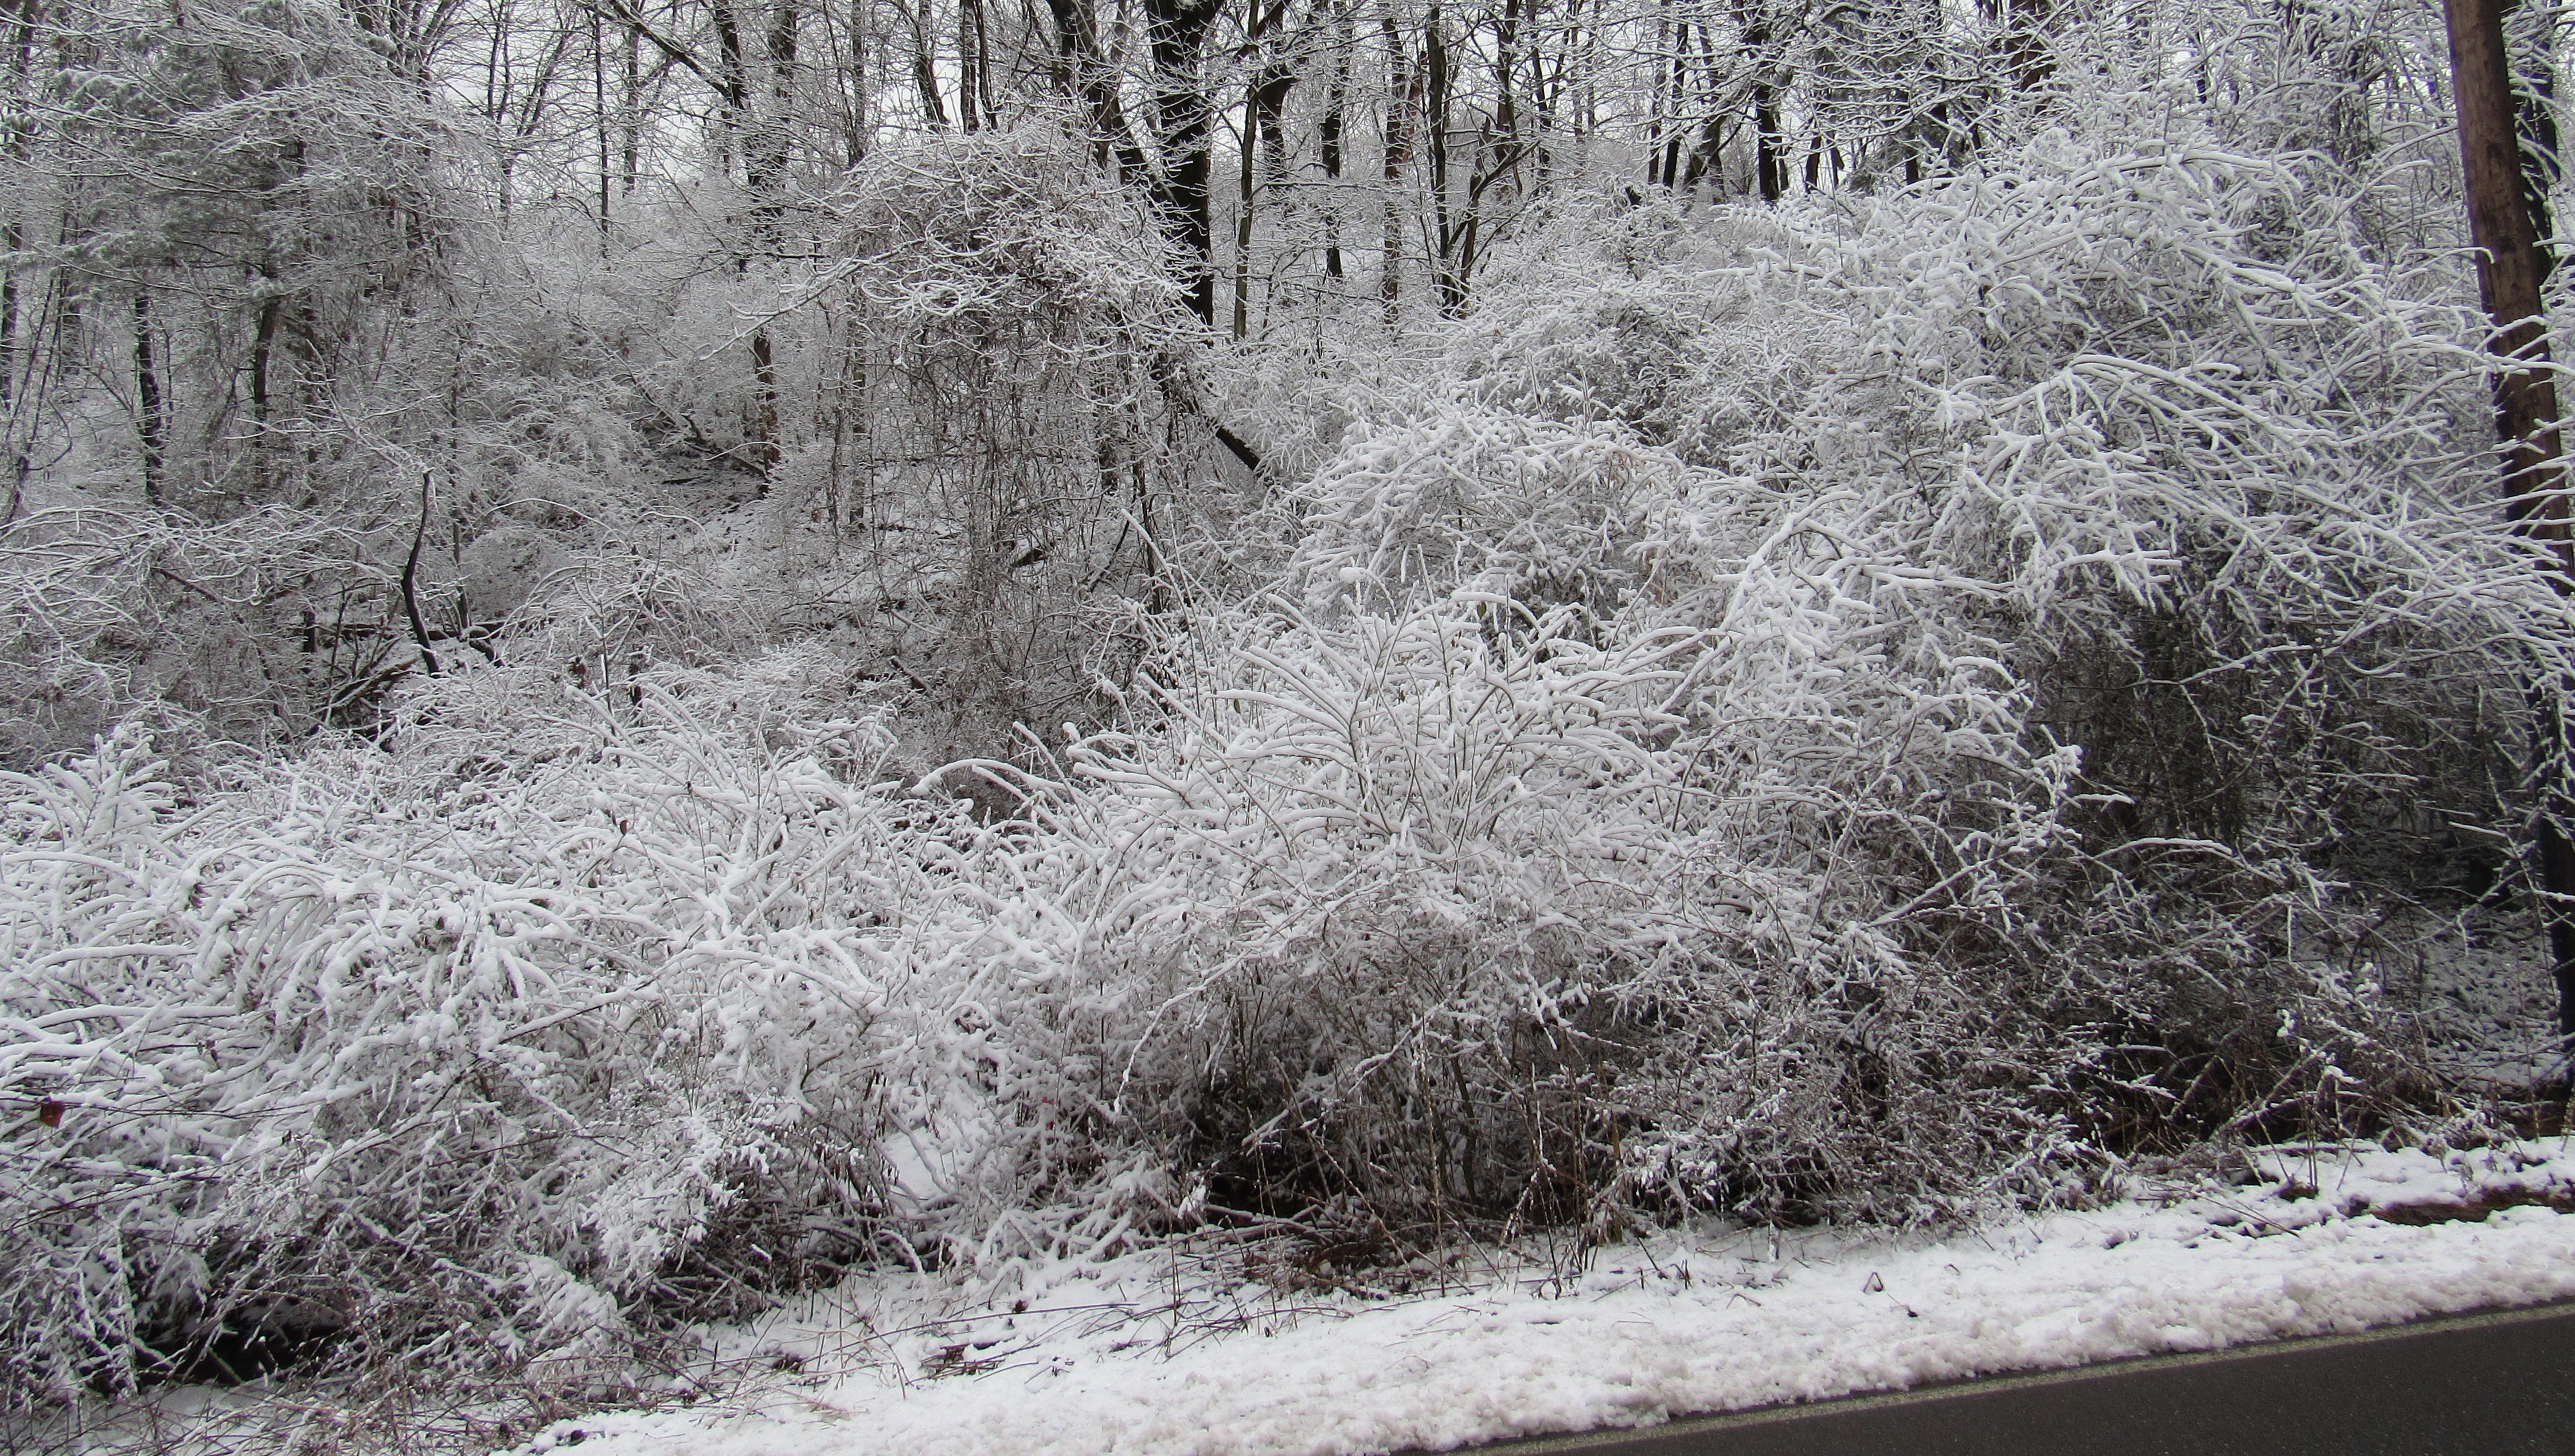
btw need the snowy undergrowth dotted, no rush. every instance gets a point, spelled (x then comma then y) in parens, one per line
(482, 1043)
(1860, 715)
(1163, 1354)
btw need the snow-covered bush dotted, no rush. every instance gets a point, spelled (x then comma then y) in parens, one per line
(253, 629)
(2223, 479)
(1011, 445)
(1492, 499)
(2099, 609)
(1475, 914)
(472, 1046)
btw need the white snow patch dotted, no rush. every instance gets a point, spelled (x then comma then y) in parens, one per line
(1142, 1356)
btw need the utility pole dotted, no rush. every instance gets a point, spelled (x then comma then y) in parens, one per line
(2508, 221)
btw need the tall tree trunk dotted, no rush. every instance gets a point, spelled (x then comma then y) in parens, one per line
(766, 146)
(2027, 56)
(1081, 71)
(1436, 78)
(1330, 131)
(1176, 34)
(632, 119)
(1708, 150)
(970, 109)
(1667, 56)
(17, 147)
(1679, 136)
(2507, 219)
(732, 82)
(1770, 162)
(850, 77)
(599, 112)
(149, 425)
(1403, 96)
(1264, 139)
(924, 60)
(263, 355)
(976, 107)
(1242, 218)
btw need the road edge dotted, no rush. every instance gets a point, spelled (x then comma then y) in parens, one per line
(1771, 1415)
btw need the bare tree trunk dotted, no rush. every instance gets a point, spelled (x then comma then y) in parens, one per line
(850, 72)
(598, 111)
(1679, 134)
(634, 117)
(1175, 33)
(925, 65)
(2027, 53)
(1265, 169)
(149, 425)
(411, 583)
(1242, 216)
(1667, 53)
(733, 81)
(970, 107)
(1403, 94)
(16, 146)
(1435, 98)
(1329, 130)
(2507, 219)
(767, 145)
(1081, 70)
(976, 109)
(1770, 164)
(1708, 153)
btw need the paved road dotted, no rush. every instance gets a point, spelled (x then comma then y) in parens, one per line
(2482, 1385)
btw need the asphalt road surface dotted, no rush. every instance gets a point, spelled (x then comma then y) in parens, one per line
(2480, 1385)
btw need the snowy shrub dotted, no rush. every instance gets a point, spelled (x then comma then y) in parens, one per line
(1014, 424)
(2091, 614)
(603, 615)
(448, 1052)
(2158, 441)
(2207, 454)
(1644, 317)
(257, 628)
(1490, 500)
(1477, 919)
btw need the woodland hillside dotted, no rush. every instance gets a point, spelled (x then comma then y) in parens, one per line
(655, 650)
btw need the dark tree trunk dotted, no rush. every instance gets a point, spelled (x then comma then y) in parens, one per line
(1770, 169)
(1679, 135)
(1175, 32)
(2507, 219)
(733, 81)
(1434, 133)
(1770, 147)
(1328, 132)
(148, 425)
(1266, 138)
(1403, 97)
(1708, 153)
(976, 104)
(2027, 53)
(1081, 71)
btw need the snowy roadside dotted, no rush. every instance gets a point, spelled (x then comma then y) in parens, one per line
(1121, 1358)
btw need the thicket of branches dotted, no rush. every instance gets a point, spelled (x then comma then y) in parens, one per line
(659, 652)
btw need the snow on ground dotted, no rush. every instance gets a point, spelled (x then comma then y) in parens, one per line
(1143, 1355)
(2484, 1000)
